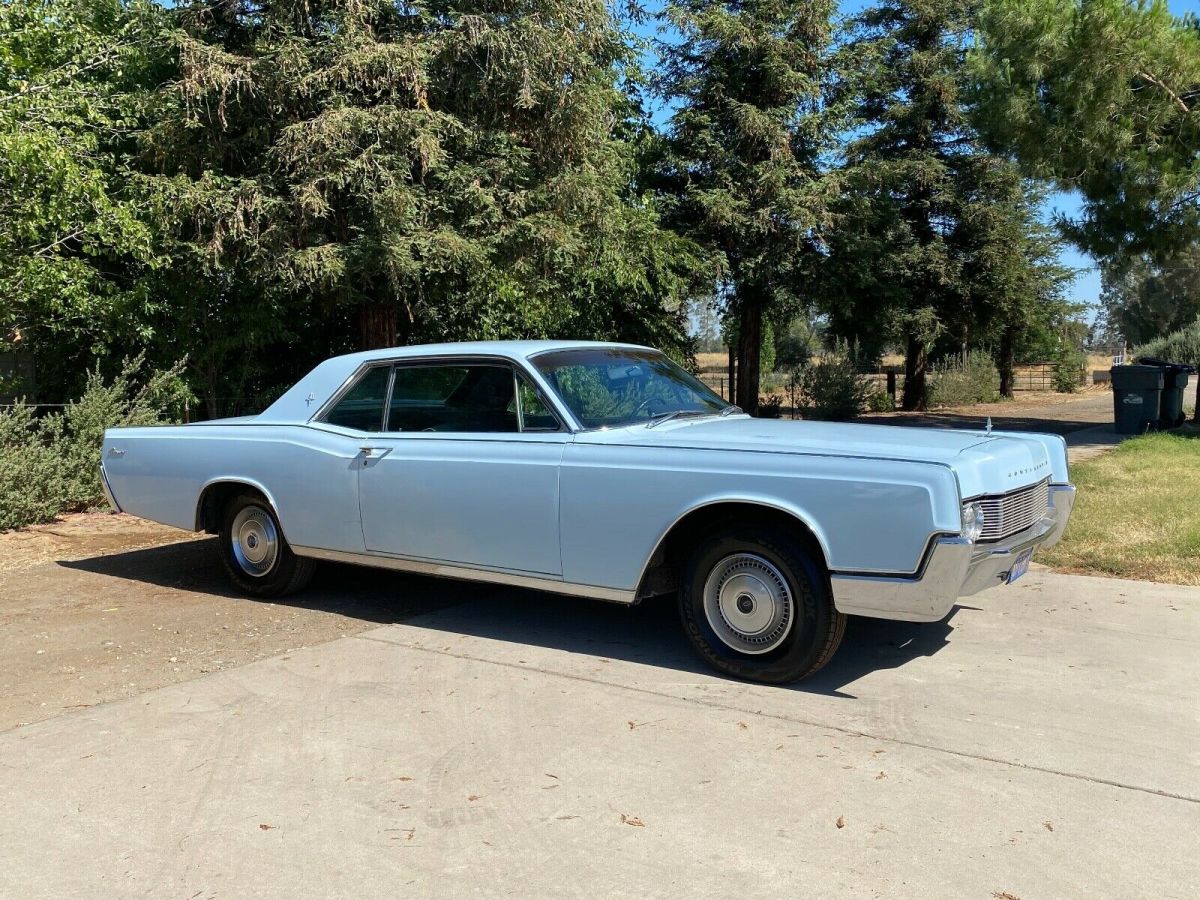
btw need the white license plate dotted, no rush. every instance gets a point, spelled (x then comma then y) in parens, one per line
(1020, 567)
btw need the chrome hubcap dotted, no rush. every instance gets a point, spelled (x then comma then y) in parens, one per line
(748, 603)
(255, 541)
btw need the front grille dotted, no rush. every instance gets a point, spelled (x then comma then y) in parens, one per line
(1015, 511)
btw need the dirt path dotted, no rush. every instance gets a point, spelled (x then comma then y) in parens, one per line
(93, 625)
(1053, 413)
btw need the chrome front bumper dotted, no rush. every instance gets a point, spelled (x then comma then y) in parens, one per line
(954, 567)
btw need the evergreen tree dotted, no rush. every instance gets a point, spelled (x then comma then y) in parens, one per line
(740, 162)
(936, 242)
(1102, 97)
(1143, 299)
(402, 172)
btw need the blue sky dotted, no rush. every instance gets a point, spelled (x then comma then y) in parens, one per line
(1086, 286)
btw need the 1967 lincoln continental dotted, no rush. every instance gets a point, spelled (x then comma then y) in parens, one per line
(607, 471)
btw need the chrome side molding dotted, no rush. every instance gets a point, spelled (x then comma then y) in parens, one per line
(469, 573)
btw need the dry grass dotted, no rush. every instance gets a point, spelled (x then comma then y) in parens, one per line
(712, 362)
(1137, 514)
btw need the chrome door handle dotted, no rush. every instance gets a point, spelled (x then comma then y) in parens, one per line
(373, 452)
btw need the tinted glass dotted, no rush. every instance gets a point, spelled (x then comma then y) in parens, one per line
(453, 398)
(614, 387)
(362, 406)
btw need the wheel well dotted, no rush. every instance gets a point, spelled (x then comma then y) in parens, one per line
(663, 571)
(214, 500)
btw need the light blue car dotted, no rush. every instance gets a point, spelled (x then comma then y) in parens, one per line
(606, 471)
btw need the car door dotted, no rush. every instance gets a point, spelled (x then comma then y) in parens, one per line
(465, 469)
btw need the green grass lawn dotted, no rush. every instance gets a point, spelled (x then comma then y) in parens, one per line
(1137, 513)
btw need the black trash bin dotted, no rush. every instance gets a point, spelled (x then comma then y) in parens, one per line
(1136, 394)
(1175, 380)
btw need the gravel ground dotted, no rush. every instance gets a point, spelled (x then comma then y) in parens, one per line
(96, 625)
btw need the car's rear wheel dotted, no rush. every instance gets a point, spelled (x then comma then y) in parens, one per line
(756, 604)
(255, 553)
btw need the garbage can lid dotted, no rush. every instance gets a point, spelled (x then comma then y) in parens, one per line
(1164, 364)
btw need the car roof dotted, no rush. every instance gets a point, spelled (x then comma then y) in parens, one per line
(311, 392)
(509, 349)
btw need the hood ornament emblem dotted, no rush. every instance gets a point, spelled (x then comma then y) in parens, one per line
(989, 425)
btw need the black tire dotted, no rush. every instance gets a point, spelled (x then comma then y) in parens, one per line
(785, 653)
(279, 571)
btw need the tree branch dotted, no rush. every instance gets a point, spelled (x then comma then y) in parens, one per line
(1175, 98)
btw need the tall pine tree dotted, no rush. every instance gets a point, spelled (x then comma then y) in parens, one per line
(936, 242)
(740, 163)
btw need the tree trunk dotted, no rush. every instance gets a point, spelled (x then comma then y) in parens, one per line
(377, 326)
(750, 322)
(732, 373)
(915, 364)
(1005, 360)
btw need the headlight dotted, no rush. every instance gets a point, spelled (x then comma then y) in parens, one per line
(972, 521)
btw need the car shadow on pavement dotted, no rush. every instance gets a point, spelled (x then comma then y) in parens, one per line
(647, 634)
(650, 634)
(371, 595)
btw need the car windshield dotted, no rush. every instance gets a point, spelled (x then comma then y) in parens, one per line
(612, 387)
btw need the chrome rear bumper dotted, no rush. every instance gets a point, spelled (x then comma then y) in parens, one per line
(108, 494)
(954, 568)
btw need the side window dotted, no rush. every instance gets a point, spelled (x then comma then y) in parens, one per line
(452, 398)
(361, 408)
(535, 413)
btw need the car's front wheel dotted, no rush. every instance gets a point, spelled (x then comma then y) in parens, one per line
(756, 604)
(255, 553)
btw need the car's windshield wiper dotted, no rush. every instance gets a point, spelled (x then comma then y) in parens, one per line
(730, 410)
(679, 414)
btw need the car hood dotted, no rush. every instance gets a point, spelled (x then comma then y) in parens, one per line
(985, 463)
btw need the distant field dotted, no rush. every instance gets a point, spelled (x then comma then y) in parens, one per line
(712, 362)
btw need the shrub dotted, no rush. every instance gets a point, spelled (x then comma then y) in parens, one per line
(957, 381)
(831, 388)
(880, 401)
(771, 408)
(50, 465)
(1182, 346)
(1070, 368)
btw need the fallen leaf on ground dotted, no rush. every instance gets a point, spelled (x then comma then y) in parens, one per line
(881, 775)
(841, 822)
(743, 725)
(264, 826)
(1004, 895)
(473, 797)
(1048, 826)
(632, 820)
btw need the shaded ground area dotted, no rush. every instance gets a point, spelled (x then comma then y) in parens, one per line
(81, 632)
(79, 536)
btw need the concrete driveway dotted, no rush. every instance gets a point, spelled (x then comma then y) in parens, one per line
(1042, 742)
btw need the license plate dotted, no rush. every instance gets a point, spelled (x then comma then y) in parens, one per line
(1020, 567)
